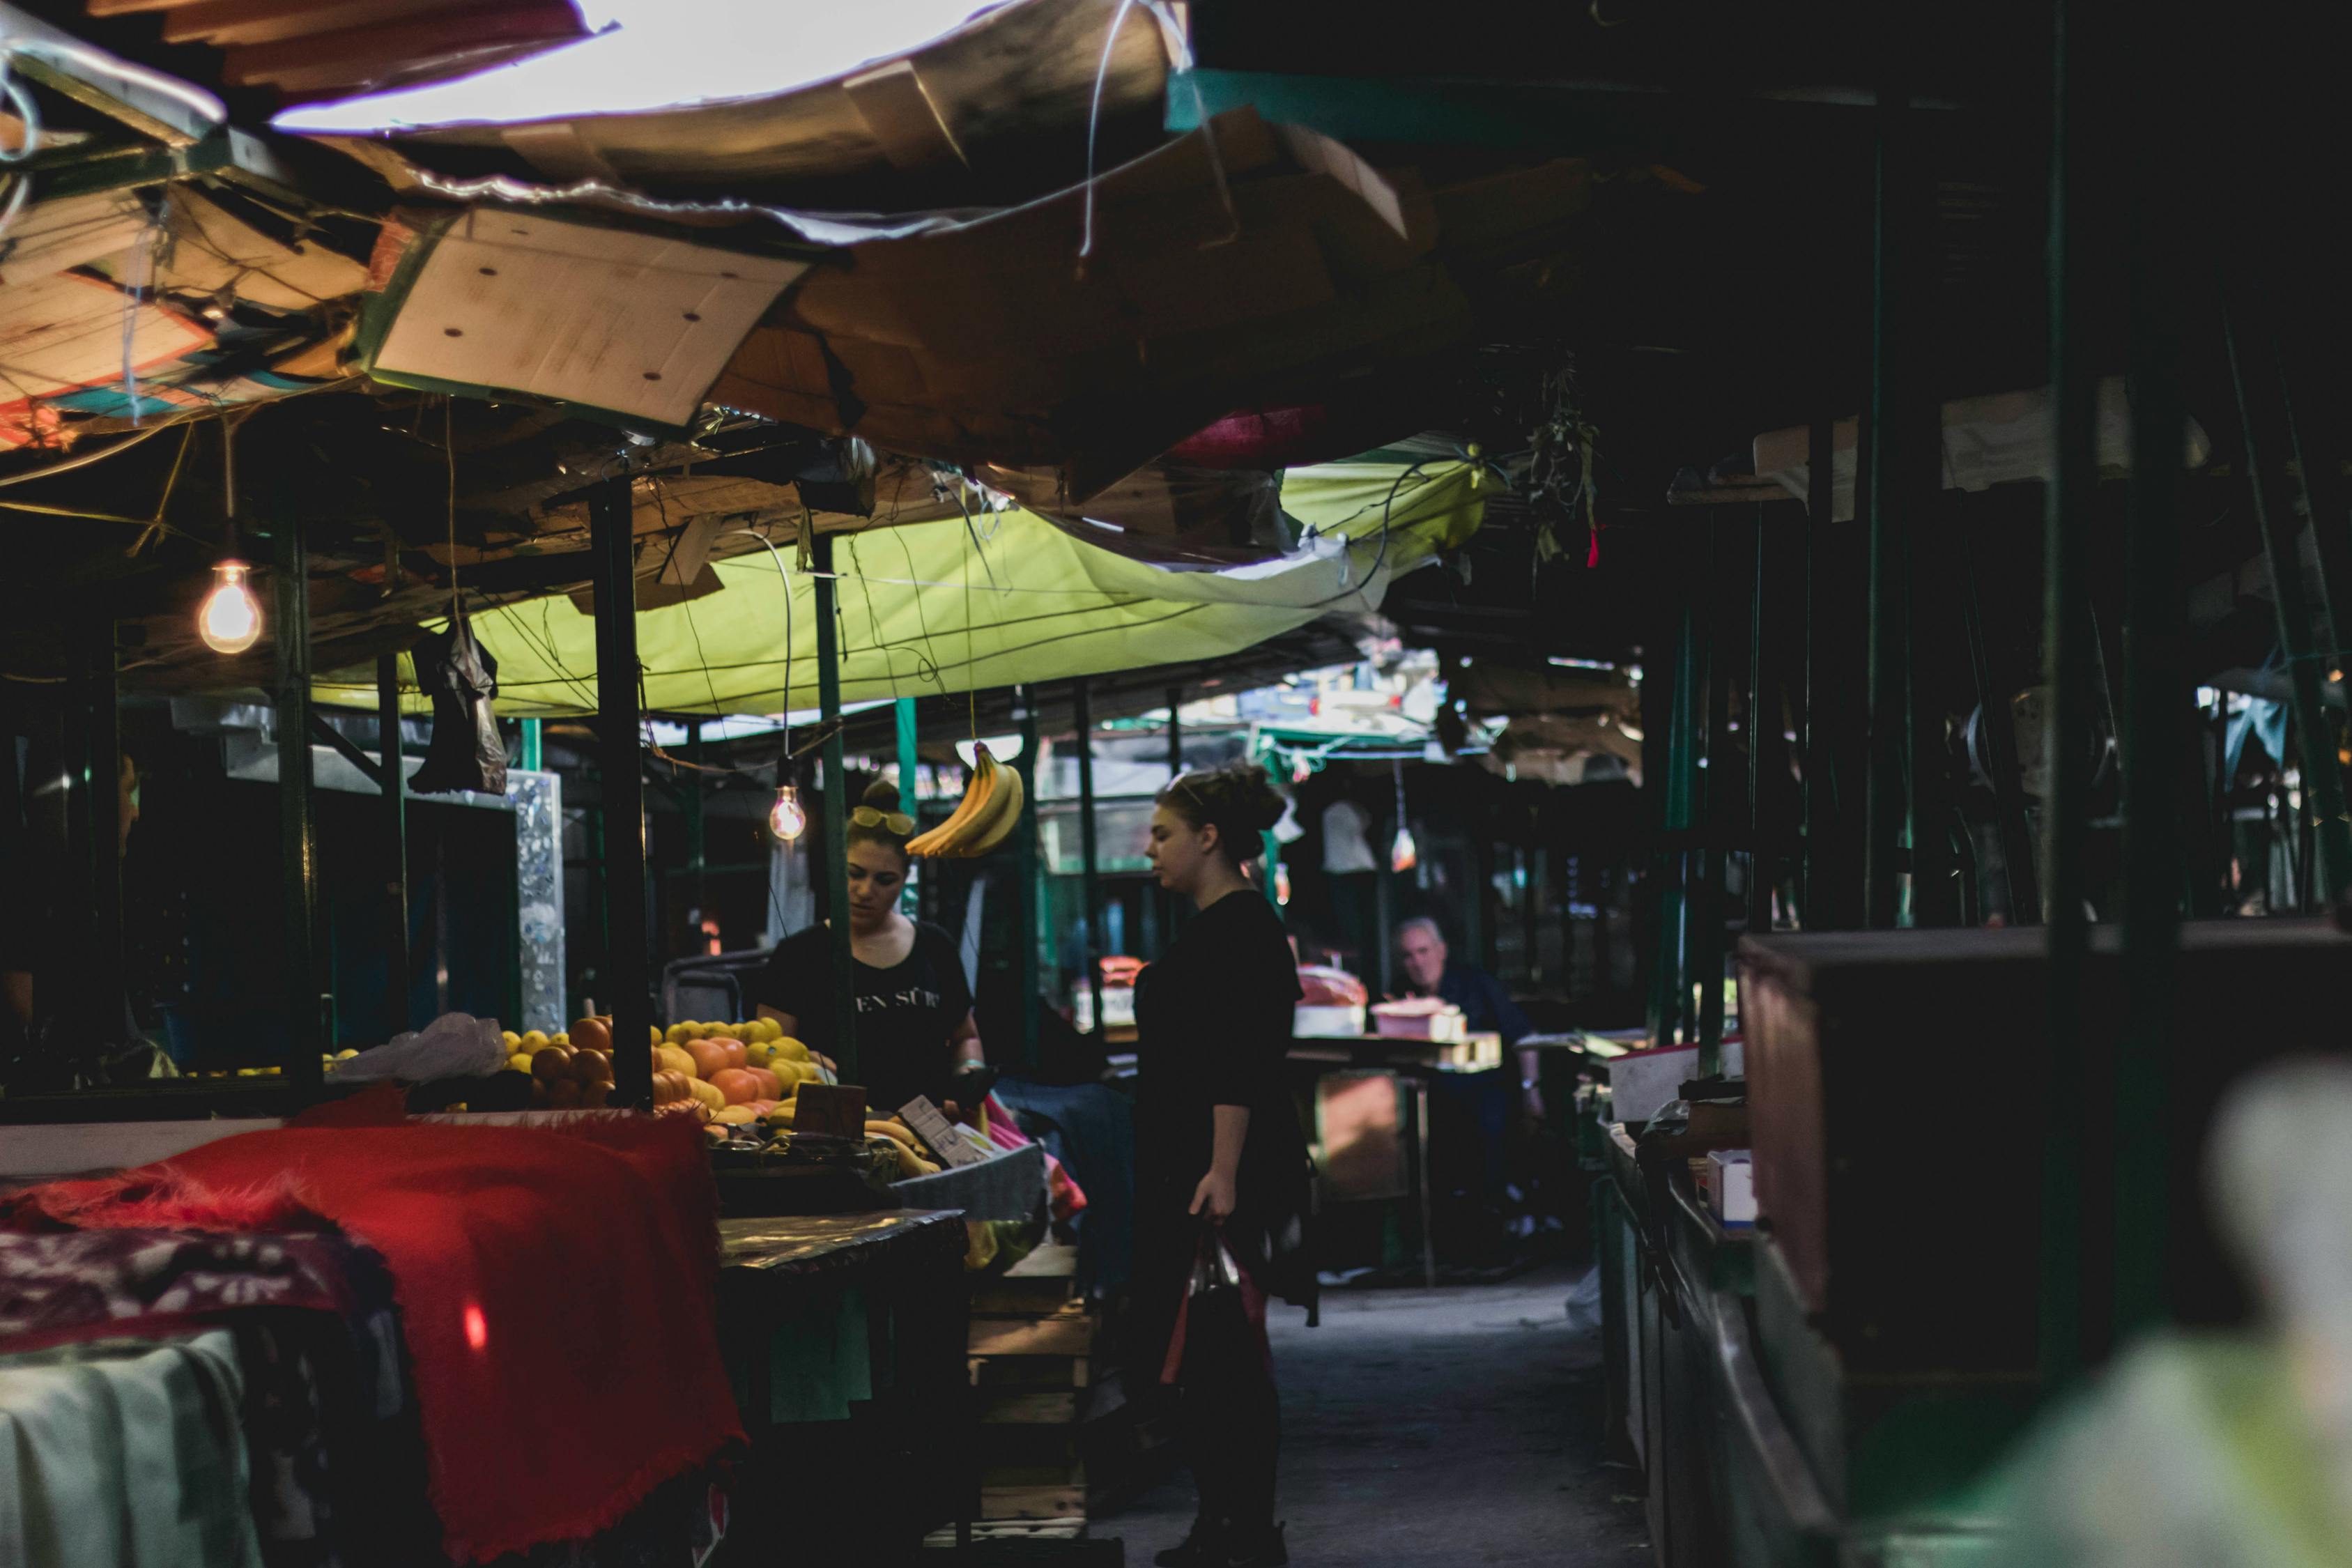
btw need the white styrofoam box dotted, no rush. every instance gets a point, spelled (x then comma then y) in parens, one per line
(1326, 1023)
(1731, 1187)
(1642, 1081)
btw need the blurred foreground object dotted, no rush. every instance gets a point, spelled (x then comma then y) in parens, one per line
(2225, 1451)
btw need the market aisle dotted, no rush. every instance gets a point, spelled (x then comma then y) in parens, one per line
(1439, 1429)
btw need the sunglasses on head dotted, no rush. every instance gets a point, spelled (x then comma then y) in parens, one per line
(897, 822)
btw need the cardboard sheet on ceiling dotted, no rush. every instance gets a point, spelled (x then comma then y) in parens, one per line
(211, 249)
(976, 96)
(925, 609)
(1232, 266)
(51, 237)
(607, 319)
(62, 334)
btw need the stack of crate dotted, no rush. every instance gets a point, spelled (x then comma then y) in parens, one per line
(1032, 1349)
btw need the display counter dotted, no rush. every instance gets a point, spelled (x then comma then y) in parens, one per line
(843, 1337)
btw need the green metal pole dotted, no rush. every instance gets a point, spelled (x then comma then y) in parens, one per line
(2069, 656)
(532, 750)
(1714, 797)
(1670, 982)
(101, 689)
(1763, 741)
(2155, 731)
(836, 804)
(1896, 277)
(1816, 904)
(398, 972)
(1082, 718)
(298, 827)
(1033, 888)
(910, 759)
(1993, 713)
(621, 784)
(697, 853)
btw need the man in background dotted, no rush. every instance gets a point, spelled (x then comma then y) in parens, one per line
(1428, 971)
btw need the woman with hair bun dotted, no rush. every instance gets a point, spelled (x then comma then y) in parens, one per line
(914, 1010)
(1217, 1143)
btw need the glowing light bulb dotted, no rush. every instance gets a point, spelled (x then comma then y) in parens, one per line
(1404, 854)
(230, 621)
(787, 819)
(1282, 884)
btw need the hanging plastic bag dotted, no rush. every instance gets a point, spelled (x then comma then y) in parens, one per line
(466, 750)
(1222, 1306)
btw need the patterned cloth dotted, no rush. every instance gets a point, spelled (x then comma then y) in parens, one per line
(61, 1285)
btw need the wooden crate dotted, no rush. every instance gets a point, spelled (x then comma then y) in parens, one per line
(1066, 1501)
(1067, 1331)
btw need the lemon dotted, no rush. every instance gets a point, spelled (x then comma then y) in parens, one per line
(790, 1049)
(676, 1037)
(510, 1038)
(519, 1061)
(536, 1041)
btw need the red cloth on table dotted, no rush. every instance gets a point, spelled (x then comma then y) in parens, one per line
(556, 1290)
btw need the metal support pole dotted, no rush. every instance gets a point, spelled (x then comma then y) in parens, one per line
(697, 852)
(1707, 899)
(2069, 656)
(298, 834)
(1670, 980)
(1999, 726)
(397, 972)
(1763, 744)
(910, 759)
(1817, 899)
(902, 712)
(836, 806)
(1898, 278)
(2263, 416)
(1173, 914)
(99, 690)
(626, 976)
(2155, 733)
(530, 745)
(1033, 888)
(1090, 866)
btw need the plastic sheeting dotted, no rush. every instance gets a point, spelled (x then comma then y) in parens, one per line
(1003, 598)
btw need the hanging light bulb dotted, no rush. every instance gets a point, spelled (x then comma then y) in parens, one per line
(1404, 853)
(230, 621)
(1282, 884)
(230, 618)
(787, 819)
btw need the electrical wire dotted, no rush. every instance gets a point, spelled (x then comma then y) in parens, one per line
(87, 459)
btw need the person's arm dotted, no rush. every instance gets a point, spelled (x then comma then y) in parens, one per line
(1219, 1189)
(965, 1038)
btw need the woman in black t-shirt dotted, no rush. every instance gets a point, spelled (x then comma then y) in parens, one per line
(1217, 1142)
(914, 1009)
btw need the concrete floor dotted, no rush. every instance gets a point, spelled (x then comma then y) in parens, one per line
(1435, 1427)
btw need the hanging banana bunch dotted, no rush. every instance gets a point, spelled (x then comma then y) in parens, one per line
(984, 818)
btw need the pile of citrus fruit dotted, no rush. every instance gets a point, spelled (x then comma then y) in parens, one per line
(732, 1074)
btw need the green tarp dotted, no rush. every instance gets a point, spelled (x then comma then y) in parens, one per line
(943, 607)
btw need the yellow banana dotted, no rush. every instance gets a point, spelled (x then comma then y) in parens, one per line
(939, 840)
(997, 819)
